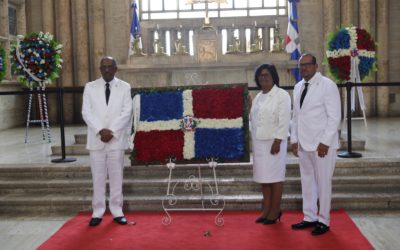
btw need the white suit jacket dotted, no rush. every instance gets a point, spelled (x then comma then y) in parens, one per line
(319, 118)
(115, 116)
(273, 117)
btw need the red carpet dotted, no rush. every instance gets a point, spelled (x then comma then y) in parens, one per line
(187, 232)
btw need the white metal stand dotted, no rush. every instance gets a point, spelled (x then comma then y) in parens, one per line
(364, 117)
(213, 202)
(44, 118)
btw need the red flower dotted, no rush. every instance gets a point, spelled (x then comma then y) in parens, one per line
(217, 101)
(340, 67)
(168, 143)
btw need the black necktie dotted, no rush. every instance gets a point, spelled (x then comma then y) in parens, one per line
(107, 92)
(304, 93)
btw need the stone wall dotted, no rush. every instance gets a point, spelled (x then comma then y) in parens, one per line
(90, 29)
(12, 107)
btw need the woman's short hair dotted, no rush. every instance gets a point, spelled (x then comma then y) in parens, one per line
(271, 69)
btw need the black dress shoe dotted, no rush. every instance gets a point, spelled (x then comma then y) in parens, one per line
(304, 224)
(260, 220)
(321, 228)
(94, 222)
(121, 220)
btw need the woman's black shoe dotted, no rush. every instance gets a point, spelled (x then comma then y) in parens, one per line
(260, 220)
(269, 222)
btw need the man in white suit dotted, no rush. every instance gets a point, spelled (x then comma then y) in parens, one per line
(107, 109)
(315, 140)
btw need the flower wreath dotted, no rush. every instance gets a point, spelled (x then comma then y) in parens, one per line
(348, 43)
(191, 124)
(3, 63)
(36, 59)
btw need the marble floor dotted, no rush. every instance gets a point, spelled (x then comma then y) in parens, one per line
(382, 136)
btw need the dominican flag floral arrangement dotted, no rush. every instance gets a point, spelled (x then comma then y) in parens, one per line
(191, 124)
(351, 58)
(347, 44)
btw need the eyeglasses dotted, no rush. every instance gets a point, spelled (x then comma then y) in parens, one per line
(303, 65)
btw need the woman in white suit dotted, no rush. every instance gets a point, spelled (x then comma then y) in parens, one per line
(269, 120)
(107, 111)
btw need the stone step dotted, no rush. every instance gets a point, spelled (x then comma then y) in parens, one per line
(226, 186)
(66, 171)
(74, 149)
(68, 205)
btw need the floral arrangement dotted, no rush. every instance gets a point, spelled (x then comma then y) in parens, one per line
(192, 124)
(3, 63)
(347, 43)
(36, 59)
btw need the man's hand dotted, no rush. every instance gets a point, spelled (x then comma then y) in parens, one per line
(322, 150)
(295, 149)
(105, 135)
(276, 146)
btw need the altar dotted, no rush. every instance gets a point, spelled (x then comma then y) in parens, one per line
(152, 71)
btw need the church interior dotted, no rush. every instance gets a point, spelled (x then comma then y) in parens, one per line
(184, 43)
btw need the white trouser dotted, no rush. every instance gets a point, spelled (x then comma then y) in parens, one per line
(316, 184)
(105, 162)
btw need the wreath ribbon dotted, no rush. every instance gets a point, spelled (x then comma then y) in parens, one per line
(24, 68)
(355, 77)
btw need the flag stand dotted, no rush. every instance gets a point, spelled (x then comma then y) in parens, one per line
(349, 153)
(212, 202)
(43, 114)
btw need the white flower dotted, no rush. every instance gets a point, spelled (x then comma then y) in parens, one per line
(188, 147)
(187, 103)
(220, 123)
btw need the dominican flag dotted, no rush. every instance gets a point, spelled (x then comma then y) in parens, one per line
(292, 38)
(191, 124)
(135, 26)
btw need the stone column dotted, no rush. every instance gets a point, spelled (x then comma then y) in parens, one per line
(382, 13)
(365, 23)
(48, 16)
(329, 23)
(117, 39)
(21, 19)
(64, 36)
(97, 35)
(80, 48)
(80, 31)
(33, 15)
(346, 12)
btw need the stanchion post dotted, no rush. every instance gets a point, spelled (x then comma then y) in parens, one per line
(349, 153)
(60, 99)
